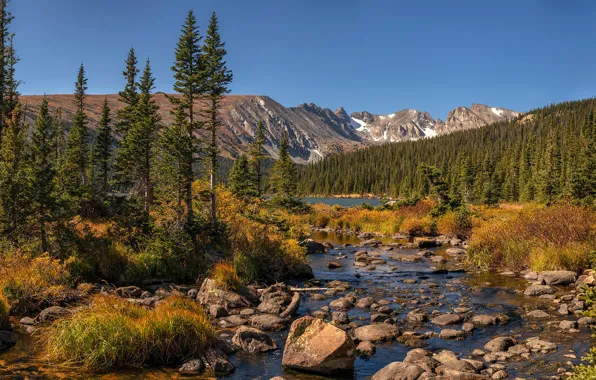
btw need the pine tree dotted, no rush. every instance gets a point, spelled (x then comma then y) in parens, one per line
(257, 156)
(43, 172)
(77, 151)
(241, 181)
(217, 79)
(7, 61)
(283, 175)
(129, 95)
(103, 149)
(11, 98)
(15, 201)
(189, 77)
(60, 142)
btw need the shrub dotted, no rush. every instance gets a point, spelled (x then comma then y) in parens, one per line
(225, 276)
(558, 237)
(4, 312)
(458, 223)
(417, 226)
(113, 333)
(32, 284)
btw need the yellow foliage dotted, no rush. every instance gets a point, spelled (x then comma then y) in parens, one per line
(225, 276)
(4, 312)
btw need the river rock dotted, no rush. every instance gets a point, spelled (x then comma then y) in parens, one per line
(484, 320)
(558, 277)
(315, 346)
(313, 247)
(416, 317)
(366, 235)
(447, 319)
(341, 304)
(217, 311)
(210, 293)
(455, 251)
(539, 290)
(7, 340)
(423, 242)
(366, 348)
(51, 314)
(253, 340)
(537, 314)
(425, 253)
(129, 292)
(340, 317)
(518, 349)
(302, 271)
(452, 334)
(267, 322)
(423, 359)
(215, 361)
(334, 265)
(499, 344)
(398, 371)
(371, 243)
(586, 321)
(537, 344)
(438, 259)
(192, 367)
(378, 332)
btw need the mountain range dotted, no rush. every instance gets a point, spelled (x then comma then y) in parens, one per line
(313, 131)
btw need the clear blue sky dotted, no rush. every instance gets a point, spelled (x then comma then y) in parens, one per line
(379, 56)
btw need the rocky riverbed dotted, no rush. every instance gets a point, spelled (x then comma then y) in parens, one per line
(381, 308)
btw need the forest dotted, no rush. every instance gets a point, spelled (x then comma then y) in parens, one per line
(544, 155)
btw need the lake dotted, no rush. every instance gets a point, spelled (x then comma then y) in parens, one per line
(344, 202)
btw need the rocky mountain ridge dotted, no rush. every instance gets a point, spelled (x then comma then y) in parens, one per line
(314, 132)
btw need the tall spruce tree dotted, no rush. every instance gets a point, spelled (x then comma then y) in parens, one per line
(7, 61)
(241, 181)
(129, 95)
(283, 175)
(102, 152)
(189, 82)
(217, 79)
(77, 150)
(257, 156)
(15, 202)
(43, 170)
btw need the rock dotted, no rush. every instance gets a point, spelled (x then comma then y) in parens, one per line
(455, 251)
(302, 271)
(422, 242)
(452, 334)
(270, 306)
(536, 344)
(423, 359)
(531, 276)
(232, 321)
(539, 290)
(192, 293)
(499, 344)
(341, 304)
(334, 265)
(568, 325)
(484, 320)
(313, 247)
(558, 277)
(378, 332)
(438, 259)
(51, 314)
(537, 314)
(217, 311)
(292, 307)
(563, 309)
(366, 348)
(416, 317)
(447, 319)
(398, 371)
(27, 321)
(500, 375)
(340, 317)
(129, 292)
(425, 253)
(192, 367)
(216, 361)
(210, 294)
(586, 321)
(371, 242)
(366, 235)
(518, 349)
(247, 312)
(7, 340)
(253, 340)
(267, 322)
(467, 327)
(377, 318)
(316, 346)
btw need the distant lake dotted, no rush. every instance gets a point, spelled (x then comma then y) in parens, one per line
(344, 202)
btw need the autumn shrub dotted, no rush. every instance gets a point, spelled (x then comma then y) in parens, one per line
(417, 226)
(225, 276)
(30, 284)
(455, 223)
(113, 333)
(4, 312)
(557, 237)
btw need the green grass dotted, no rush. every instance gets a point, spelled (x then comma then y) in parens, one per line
(114, 333)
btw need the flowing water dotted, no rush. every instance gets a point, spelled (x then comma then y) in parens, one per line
(344, 202)
(484, 293)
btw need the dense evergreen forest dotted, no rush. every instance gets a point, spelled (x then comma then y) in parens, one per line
(546, 154)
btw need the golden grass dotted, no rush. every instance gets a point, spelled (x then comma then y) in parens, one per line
(114, 333)
(4, 312)
(539, 238)
(225, 276)
(31, 284)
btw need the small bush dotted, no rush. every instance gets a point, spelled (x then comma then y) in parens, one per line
(458, 223)
(225, 276)
(32, 284)
(417, 226)
(4, 312)
(113, 333)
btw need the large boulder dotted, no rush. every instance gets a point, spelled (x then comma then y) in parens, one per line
(313, 247)
(210, 293)
(267, 322)
(539, 290)
(423, 359)
(557, 277)
(253, 340)
(51, 314)
(378, 332)
(398, 371)
(316, 346)
(499, 344)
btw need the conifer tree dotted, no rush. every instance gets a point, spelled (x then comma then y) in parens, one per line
(241, 181)
(129, 95)
(283, 175)
(7, 61)
(60, 142)
(43, 172)
(257, 156)
(103, 148)
(189, 82)
(217, 79)
(15, 201)
(77, 151)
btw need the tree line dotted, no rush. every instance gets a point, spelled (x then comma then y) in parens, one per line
(50, 176)
(545, 155)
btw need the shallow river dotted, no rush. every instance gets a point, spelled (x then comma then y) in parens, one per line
(484, 293)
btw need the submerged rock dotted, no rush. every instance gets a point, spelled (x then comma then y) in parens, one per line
(539, 290)
(378, 332)
(315, 346)
(253, 340)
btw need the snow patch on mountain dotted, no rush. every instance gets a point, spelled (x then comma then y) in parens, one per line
(497, 111)
(429, 132)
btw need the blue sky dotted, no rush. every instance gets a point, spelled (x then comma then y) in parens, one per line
(379, 56)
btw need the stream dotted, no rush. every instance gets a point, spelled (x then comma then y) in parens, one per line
(484, 293)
